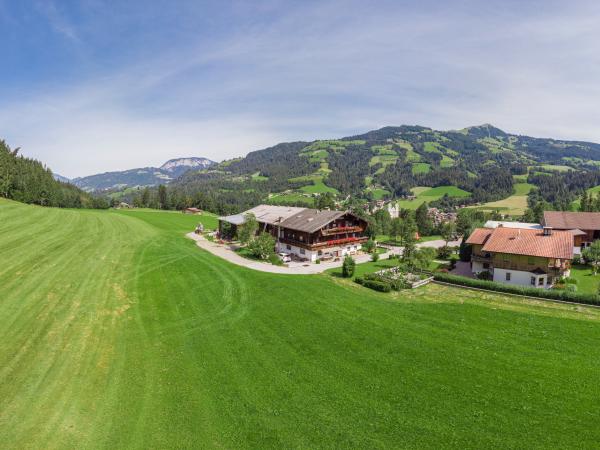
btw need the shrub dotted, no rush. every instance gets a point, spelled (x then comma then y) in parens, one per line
(485, 275)
(348, 267)
(263, 246)
(369, 246)
(444, 252)
(318, 261)
(375, 256)
(571, 288)
(380, 286)
(275, 260)
(553, 294)
(576, 259)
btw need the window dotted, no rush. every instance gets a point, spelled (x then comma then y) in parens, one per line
(302, 251)
(533, 281)
(507, 276)
(320, 252)
(541, 281)
(486, 265)
(549, 281)
(289, 247)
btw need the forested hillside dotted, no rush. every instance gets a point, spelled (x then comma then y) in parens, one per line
(27, 180)
(392, 162)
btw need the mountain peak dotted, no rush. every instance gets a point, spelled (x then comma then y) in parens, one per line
(192, 162)
(485, 130)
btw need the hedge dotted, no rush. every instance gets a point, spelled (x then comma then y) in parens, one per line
(552, 294)
(380, 286)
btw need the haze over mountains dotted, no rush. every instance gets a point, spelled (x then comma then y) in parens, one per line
(143, 176)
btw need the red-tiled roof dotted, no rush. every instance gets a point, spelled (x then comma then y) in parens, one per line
(559, 244)
(479, 235)
(567, 220)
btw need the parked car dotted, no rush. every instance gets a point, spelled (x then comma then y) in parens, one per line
(285, 257)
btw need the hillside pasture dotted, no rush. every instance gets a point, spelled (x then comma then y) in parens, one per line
(428, 194)
(118, 332)
(418, 168)
(515, 205)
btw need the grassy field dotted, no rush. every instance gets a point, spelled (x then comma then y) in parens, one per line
(421, 168)
(428, 194)
(515, 205)
(290, 198)
(118, 332)
(318, 187)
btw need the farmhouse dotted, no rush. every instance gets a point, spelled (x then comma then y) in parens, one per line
(192, 211)
(528, 257)
(308, 234)
(584, 226)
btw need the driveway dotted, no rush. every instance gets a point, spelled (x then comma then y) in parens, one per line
(228, 253)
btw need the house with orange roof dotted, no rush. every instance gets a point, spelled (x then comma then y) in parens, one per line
(526, 257)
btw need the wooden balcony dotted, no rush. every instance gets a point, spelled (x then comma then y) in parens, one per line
(341, 230)
(324, 244)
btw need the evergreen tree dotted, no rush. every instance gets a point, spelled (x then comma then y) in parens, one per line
(424, 222)
(162, 197)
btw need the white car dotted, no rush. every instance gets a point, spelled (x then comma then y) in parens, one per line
(285, 257)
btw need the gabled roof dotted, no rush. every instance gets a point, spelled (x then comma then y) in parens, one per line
(311, 220)
(577, 232)
(498, 224)
(568, 220)
(480, 235)
(270, 214)
(559, 244)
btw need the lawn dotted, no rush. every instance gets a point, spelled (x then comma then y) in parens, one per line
(258, 177)
(558, 168)
(118, 332)
(587, 282)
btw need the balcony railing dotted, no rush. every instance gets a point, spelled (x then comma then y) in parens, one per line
(339, 230)
(323, 244)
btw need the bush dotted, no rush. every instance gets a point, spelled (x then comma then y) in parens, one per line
(318, 261)
(275, 260)
(375, 256)
(552, 294)
(444, 252)
(571, 288)
(576, 259)
(369, 246)
(485, 275)
(348, 267)
(380, 286)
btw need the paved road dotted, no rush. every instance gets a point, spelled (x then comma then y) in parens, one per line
(227, 252)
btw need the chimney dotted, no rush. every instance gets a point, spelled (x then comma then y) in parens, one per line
(547, 231)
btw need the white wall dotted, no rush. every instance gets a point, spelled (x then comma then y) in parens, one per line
(518, 277)
(313, 255)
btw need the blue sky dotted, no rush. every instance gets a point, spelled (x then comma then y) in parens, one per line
(90, 86)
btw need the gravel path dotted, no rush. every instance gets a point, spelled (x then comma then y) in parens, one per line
(226, 252)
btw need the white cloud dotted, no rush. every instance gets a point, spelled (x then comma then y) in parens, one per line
(324, 71)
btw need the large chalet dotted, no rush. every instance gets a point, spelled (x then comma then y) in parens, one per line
(523, 256)
(308, 234)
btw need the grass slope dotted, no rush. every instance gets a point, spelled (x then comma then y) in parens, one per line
(116, 331)
(428, 194)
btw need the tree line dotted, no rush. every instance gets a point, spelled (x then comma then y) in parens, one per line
(29, 181)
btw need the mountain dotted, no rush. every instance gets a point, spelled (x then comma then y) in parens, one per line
(391, 162)
(179, 166)
(143, 176)
(60, 178)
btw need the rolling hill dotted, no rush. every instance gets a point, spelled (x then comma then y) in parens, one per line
(388, 163)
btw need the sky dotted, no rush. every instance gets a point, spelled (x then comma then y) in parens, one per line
(90, 86)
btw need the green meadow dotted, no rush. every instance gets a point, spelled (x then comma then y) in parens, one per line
(116, 331)
(428, 194)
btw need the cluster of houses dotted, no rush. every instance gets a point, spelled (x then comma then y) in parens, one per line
(304, 233)
(437, 216)
(532, 254)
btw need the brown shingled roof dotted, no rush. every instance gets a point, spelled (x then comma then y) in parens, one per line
(479, 235)
(311, 220)
(567, 220)
(559, 244)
